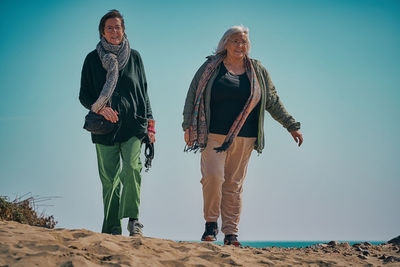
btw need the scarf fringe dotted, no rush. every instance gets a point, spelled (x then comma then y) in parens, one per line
(193, 148)
(223, 147)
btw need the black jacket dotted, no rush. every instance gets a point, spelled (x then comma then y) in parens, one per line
(130, 97)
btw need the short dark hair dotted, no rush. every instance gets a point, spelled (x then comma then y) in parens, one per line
(111, 14)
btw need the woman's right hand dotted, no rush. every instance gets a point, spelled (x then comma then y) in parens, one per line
(109, 114)
(187, 137)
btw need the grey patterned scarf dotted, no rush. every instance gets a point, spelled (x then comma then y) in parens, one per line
(113, 58)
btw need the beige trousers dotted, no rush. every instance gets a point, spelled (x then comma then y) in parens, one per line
(223, 176)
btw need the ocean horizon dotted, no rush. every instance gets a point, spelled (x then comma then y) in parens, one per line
(291, 244)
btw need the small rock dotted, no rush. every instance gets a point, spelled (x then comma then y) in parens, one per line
(392, 259)
(234, 263)
(367, 244)
(362, 257)
(395, 240)
(382, 257)
(325, 251)
(316, 246)
(366, 253)
(356, 245)
(345, 245)
(358, 249)
(333, 243)
(106, 258)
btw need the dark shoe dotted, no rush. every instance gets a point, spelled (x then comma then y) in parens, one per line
(210, 234)
(232, 240)
(115, 233)
(116, 230)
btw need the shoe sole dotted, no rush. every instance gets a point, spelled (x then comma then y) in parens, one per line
(209, 238)
(236, 244)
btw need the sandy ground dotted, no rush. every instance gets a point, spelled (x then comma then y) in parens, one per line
(24, 245)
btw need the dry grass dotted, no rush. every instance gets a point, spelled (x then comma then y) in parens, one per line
(24, 211)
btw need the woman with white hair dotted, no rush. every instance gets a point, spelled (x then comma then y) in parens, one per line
(224, 118)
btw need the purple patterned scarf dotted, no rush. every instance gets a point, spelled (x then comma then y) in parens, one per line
(198, 125)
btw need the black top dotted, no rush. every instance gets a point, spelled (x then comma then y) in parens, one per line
(130, 97)
(229, 94)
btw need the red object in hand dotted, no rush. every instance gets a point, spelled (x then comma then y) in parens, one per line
(151, 131)
(151, 126)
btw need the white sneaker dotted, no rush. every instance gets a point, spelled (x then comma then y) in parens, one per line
(135, 228)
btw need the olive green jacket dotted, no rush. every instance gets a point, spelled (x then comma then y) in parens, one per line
(269, 101)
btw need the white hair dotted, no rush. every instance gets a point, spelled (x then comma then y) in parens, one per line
(221, 49)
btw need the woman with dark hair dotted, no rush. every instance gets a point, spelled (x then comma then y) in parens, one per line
(224, 118)
(113, 84)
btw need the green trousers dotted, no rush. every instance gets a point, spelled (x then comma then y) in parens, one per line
(120, 164)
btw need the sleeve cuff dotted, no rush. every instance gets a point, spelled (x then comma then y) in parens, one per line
(294, 127)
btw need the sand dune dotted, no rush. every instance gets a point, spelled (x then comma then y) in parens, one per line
(24, 245)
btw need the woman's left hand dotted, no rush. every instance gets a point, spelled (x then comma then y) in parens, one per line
(297, 136)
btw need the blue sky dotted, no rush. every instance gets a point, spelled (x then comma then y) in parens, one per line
(335, 65)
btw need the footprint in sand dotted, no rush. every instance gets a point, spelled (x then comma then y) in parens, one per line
(172, 263)
(79, 235)
(49, 248)
(181, 248)
(210, 255)
(4, 248)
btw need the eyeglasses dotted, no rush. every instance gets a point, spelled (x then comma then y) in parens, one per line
(238, 42)
(111, 29)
